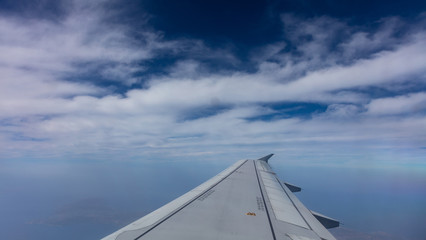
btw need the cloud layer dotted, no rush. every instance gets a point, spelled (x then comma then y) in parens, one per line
(59, 81)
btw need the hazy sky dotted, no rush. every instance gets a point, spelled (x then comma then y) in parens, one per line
(109, 109)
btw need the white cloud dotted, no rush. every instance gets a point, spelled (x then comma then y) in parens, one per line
(40, 57)
(410, 103)
(43, 113)
(265, 86)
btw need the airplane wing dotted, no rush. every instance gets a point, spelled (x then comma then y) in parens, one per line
(245, 201)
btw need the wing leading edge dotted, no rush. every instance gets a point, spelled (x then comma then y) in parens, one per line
(245, 201)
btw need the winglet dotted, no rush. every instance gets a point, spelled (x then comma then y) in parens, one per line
(293, 188)
(327, 222)
(266, 158)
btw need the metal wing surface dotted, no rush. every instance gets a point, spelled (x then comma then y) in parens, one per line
(245, 201)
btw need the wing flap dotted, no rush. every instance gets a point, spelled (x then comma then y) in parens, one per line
(282, 206)
(313, 223)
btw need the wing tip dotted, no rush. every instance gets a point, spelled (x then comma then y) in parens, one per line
(266, 158)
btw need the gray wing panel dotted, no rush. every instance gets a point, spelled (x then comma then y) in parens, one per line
(226, 207)
(233, 209)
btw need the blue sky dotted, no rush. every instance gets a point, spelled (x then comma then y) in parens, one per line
(97, 96)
